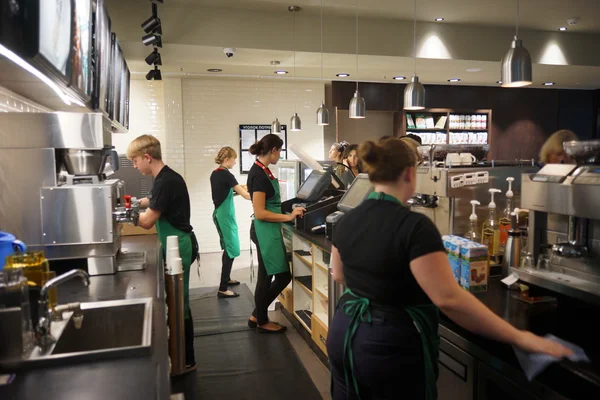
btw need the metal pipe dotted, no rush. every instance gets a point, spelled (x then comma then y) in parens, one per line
(175, 321)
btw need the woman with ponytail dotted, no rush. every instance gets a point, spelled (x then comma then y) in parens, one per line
(223, 185)
(273, 267)
(383, 341)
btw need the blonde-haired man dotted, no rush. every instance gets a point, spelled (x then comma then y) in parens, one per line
(168, 208)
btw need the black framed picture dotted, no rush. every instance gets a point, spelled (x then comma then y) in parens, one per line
(250, 134)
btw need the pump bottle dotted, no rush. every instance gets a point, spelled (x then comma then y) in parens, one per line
(473, 234)
(490, 234)
(505, 216)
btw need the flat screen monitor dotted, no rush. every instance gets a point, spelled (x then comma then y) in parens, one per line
(55, 32)
(358, 192)
(81, 50)
(102, 47)
(116, 67)
(314, 186)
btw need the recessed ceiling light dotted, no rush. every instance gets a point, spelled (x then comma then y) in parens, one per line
(439, 19)
(548, 83)
(400, 78)
(281, 72)
(454, 80)
(214, 70)
(562, 28)
(474, 70)
(342, 75)
(500, 82)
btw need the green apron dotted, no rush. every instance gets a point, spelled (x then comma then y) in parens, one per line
(426, 320)
(224, 219)
(269, 234)
(164, 229)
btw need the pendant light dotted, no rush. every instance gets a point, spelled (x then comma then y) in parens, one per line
(358, 108)
(275, 125)
(322, 112)
(414, 93)
(295, 122)
(516, 64)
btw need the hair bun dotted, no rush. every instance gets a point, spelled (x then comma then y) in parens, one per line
(371, 153)
(256, 148)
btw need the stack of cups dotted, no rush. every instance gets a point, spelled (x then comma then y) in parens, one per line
(173, 255)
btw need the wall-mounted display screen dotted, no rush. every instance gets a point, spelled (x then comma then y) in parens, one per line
(55, 32)
(116, 66)
(102, 48)
(124, 98)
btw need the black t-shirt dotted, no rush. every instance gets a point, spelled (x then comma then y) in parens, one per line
(221, 182)
(377, 241)
(170, 196)
(259, 181)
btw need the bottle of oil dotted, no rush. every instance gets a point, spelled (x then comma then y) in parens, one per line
(505, 216)
(490, 234)
(473, 234)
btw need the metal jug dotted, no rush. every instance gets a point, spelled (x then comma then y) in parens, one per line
(514, 244)
(8, 245)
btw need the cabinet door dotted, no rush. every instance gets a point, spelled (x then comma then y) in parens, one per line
(457, 373)
(492, 385)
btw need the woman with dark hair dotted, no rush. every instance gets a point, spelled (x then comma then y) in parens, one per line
(354, 166)
(383, 342)
(265, 232)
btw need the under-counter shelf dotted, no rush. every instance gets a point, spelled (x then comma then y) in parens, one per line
(322, 292)
(301, 257)
(324, 269)
(305, 318)
(306, 282)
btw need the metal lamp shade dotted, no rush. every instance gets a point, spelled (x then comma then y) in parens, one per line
(276, 127)
(322, 115)
(358, 108)
(516, 66)
(295, 123)
(414, 95)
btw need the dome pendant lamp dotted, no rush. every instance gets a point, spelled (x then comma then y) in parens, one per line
(276, 127)
(295, 122)
(414, 93)
(358, 108)
(322, 112)
(516, 64)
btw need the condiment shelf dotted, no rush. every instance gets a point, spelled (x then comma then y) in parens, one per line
(306, 282)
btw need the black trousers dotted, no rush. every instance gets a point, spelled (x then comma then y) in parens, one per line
(267, 288)
(388, 360)
(188, 322)
(227, 264)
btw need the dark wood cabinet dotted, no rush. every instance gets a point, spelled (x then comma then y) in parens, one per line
(457, 376)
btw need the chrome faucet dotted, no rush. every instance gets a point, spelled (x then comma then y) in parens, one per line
(42, 331)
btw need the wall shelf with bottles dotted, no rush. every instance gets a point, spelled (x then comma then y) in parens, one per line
(448, 126)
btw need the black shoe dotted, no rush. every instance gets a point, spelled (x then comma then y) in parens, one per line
(252, 324)
(233, 283)
(222, 295)
(281, 329)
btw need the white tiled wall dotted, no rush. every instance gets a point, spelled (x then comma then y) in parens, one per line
(213, 109)
(12, 102)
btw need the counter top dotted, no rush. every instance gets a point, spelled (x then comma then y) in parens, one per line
(318, 239)
(135, 377)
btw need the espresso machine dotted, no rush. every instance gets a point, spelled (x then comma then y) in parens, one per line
(57, 195)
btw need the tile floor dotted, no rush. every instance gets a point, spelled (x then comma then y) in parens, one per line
(210, 275)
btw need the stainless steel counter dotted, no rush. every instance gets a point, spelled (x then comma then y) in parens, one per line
(135, 377)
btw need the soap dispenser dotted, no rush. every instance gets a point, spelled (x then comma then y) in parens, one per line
(473, 234)
(505, 216)
(490, 234)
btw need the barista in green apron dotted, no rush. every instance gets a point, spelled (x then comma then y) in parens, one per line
(168, 209)
(223, 186)
(383, 340)
(273, 267)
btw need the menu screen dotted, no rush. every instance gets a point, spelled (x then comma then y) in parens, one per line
(81, 61)
(102, 51)
(55, 32)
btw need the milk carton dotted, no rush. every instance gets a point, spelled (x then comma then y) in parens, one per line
(474, 267)
(453, 244)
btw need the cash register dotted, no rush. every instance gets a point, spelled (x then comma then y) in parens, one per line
(318, 196)
(359, 191)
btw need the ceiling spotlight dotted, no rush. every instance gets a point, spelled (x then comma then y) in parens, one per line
(154, 74)
(281, 72)
(214, 70)
(152, 40)
(562, 28)
(548, 83)
(342, 75)
(399, 78)
(154, 58)
(454, 80)
(439, 19)
(152, 25)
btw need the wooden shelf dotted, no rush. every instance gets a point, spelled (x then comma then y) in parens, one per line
(322, 318)
(427, 130)
(326, 270)
(467, 130)
(304, 282)
(304, 319)
(304, 260)
(324, 295)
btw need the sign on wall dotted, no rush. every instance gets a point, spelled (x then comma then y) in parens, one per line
(250, 134)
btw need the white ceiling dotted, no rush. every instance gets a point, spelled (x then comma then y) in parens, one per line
(475, 34)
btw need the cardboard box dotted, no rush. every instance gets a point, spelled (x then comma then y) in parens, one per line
(286, 298)
(474, 267)
(129, 229)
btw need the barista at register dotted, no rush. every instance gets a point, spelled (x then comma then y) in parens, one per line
(168, 208)
(383, 341)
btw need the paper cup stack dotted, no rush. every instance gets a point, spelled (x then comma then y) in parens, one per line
(174, 263)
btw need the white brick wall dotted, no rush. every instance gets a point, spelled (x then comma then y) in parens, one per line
(12, 102)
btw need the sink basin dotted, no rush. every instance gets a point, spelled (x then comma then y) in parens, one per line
(110, 329)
